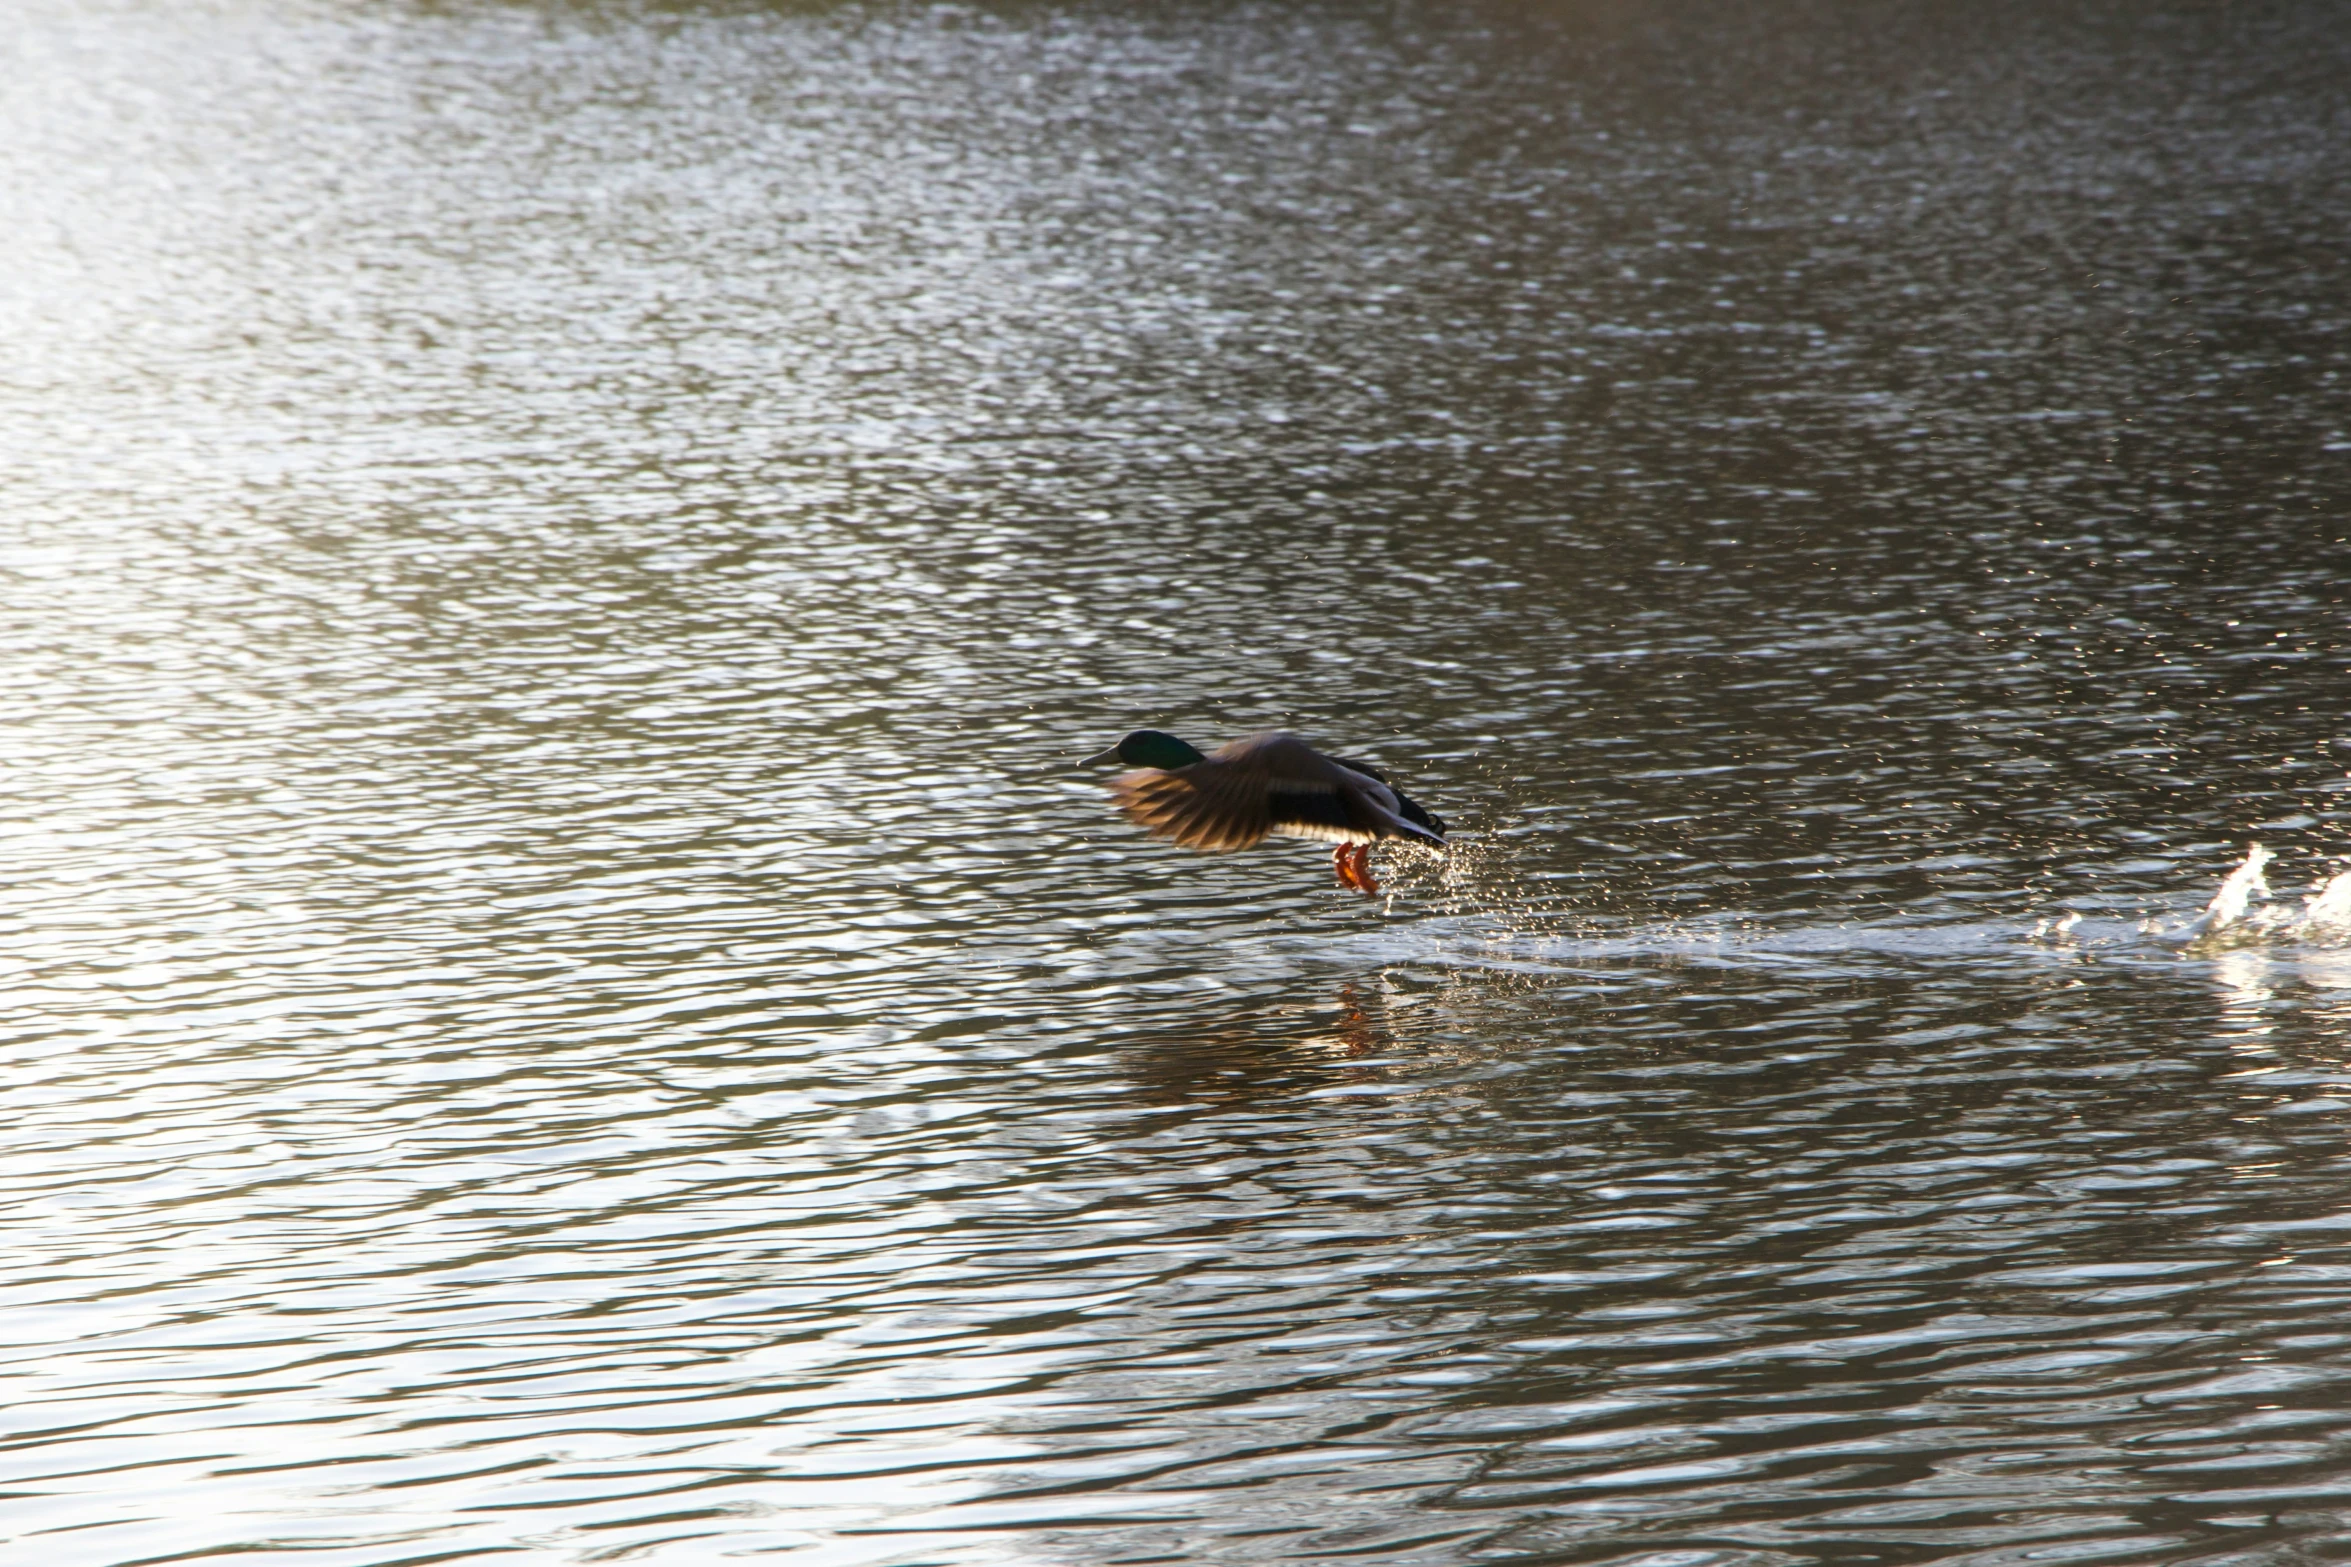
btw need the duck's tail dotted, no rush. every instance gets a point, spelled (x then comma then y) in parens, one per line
(1409, 822)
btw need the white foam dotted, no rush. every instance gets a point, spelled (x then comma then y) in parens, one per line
(2237, 893)
(2239, 915)
(2236, 917)
(2330, 906)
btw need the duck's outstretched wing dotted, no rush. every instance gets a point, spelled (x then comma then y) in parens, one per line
(1245, 790)
(1203, 806)
(1268, 783)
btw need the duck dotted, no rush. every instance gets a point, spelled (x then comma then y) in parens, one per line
(1266, 785)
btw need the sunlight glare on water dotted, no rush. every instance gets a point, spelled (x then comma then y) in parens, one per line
(568, 1000)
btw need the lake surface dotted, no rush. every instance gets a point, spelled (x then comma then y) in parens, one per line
(568, 1001)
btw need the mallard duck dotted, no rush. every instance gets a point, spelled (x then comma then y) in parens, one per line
(1267, 785)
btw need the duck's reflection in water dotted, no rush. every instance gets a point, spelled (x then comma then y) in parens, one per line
(1366, 1030)
(1266, 1050)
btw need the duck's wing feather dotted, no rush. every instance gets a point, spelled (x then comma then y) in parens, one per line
(1244, 791)
(1203, 806)
(1252, 787)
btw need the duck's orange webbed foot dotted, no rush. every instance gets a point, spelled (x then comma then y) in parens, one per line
(1352, 862)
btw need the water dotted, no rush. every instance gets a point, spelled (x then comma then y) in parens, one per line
(567, 1003)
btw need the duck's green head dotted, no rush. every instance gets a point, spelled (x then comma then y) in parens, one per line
(1148, 748)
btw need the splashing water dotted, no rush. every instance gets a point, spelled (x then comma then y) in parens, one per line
(2330, 907)
(2236, 893)
(2324, 916)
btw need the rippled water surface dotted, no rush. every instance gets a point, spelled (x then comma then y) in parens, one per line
(567, 1000)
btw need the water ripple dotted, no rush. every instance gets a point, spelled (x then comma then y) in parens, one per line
(567, 997)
